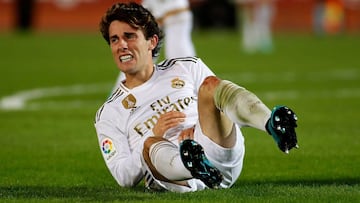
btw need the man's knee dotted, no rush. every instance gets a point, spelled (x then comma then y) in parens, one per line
(149, 142)
(209, 85)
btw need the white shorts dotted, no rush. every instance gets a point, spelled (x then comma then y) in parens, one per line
(228, 160)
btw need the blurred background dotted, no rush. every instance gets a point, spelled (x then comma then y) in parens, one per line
(56, 71)
(320, 16)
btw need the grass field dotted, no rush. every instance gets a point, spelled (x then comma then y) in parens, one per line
(52, 85)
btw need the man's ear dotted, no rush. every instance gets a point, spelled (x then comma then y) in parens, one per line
(153, 42)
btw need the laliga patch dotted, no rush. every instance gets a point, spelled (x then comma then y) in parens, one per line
(108, 149)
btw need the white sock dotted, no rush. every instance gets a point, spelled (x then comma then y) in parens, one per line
(248, 32)
(263, 18)
(241, 106)
(165, 157)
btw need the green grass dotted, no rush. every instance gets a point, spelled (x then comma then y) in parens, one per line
(49, 150)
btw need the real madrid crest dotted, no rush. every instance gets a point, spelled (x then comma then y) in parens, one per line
(129, 102)
(177, 83)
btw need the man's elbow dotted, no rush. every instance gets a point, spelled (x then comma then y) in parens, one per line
(123, 182)
(127, 184)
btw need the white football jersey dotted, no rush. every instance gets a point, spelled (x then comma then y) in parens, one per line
(129, 115)
(159, 7)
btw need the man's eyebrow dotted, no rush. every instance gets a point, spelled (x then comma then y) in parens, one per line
(129, 33)
(114, 36)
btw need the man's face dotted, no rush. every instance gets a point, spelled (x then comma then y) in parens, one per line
(130, 50)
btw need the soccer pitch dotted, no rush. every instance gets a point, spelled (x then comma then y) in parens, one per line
(52, 86)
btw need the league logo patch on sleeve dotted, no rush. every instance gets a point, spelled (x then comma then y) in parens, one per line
(108, 149)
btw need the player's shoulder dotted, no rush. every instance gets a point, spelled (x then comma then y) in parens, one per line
(180, 61)
(107, 109)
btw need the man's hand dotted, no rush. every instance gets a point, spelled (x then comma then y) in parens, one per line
(166, 121)
(281, 126)
(187, 134)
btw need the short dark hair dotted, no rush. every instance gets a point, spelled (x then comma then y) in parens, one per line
(136, 16)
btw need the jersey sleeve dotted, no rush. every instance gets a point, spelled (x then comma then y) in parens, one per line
(200, 71)
(124, 164)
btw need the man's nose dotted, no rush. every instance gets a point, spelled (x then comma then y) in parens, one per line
(122, 46)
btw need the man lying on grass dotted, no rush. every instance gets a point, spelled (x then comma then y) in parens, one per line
(175, 124)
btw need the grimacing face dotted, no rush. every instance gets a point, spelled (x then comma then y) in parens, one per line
(131, 51)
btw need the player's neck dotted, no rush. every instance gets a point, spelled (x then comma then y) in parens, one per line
(139, 78)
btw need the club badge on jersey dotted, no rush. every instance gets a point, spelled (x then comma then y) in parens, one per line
(177, 83)
(129, 102)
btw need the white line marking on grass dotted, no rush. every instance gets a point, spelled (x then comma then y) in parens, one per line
(19, 100)
(346, 74)
(341, 93)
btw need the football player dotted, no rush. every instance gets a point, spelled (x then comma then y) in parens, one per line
(255, 18)
(176, 20)
(175, 125)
